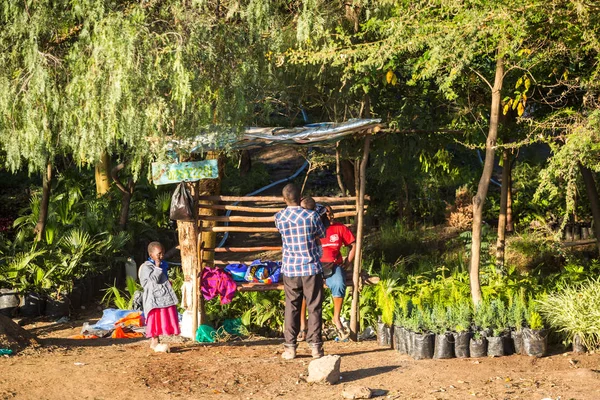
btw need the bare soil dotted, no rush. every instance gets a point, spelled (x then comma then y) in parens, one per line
(252, 369)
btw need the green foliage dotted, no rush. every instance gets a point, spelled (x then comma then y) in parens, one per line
(533, 317)
(123, 300)
(483, 317)
(81, 236)
(575, 310)
(517, 311)
(236, 185)
(460, 315)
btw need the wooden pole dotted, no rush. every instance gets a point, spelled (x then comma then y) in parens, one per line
(362, 180)
(197, 265)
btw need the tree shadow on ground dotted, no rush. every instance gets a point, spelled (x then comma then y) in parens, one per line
(359, 352)
(358, 374)
(100, 342)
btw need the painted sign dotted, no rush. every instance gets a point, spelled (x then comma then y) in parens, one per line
(163, 174)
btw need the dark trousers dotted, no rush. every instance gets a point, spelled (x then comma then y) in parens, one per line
(311, 289)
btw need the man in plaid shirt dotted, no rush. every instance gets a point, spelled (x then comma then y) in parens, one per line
(300, 231)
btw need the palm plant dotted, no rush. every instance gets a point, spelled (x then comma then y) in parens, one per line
(123, 300)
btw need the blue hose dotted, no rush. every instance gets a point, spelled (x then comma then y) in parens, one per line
(262, 189)
(269, 186)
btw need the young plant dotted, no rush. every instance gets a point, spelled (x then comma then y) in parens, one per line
(517, 311)
(483, 317)
(460, 316)
(534, 319)
(500, 323)
(439, 319)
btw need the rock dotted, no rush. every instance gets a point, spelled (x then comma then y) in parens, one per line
(356, 392)
(325, 369)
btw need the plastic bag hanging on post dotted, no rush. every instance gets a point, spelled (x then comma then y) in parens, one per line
(182, 204)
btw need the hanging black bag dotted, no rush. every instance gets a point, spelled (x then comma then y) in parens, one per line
(181, 204)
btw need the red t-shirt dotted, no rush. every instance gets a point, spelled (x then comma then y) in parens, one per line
(337, 235)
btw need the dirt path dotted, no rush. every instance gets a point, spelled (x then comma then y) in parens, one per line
(252, 369)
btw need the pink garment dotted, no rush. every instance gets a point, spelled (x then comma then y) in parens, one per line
(215, 282)
(162, 321)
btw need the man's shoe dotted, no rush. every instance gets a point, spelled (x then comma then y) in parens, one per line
(317, 350)
(289, 353)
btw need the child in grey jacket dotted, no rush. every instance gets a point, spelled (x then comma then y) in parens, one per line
(159, 299)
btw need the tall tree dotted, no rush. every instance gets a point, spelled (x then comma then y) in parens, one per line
(453, 45)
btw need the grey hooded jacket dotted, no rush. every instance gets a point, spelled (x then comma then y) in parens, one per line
(158, 292)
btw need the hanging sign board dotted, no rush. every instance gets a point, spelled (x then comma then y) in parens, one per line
(163, 173)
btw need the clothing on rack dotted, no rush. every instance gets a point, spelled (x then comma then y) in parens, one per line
(217, 282)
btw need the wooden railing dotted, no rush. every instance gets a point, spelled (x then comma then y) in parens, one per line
(254, 220)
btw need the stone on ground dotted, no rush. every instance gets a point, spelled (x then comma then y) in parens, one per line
(325, 369)
(356, 392)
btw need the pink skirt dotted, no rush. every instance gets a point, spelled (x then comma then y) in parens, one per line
(162, 321)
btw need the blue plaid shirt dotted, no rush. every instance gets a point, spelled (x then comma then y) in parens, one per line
(300, 232)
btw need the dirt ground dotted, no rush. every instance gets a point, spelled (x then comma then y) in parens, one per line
(252, 369)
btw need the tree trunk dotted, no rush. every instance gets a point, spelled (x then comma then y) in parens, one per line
(127, 194)
(245, 162)
(188, 238)
(43, 214)
(500, 244)
(484, 182)
(210, 187)
(592, 193)
(510, 226)
(102, 177)
(360, 201)
(338, 171)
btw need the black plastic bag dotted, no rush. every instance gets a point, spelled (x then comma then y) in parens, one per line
(517, 339)
(182, 204)
(409, 340)
(578, 346)
(444, 346)
(461, 344)
(422, 346)
(478, 347)
(495, 346)
(384, 335)
(32, 305)
(509, 346)
(535, 342)
(399, 343)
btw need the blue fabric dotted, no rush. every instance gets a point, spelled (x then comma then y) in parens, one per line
(109, 317)
(263, 272)
(300, 231)
(237, 271)
(337, 282)
(163, 265)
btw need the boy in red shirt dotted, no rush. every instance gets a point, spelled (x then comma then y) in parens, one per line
(336, 237)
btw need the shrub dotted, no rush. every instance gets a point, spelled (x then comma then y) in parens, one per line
(575, 310)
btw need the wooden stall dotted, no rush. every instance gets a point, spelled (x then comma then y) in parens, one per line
(255, 216)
